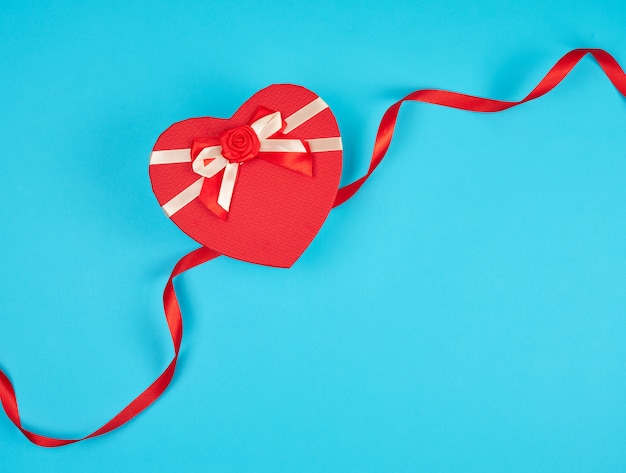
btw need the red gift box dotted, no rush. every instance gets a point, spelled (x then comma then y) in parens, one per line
(265, 200)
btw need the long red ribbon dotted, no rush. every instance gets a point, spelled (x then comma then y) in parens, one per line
(479, 104)
(383, 139)
(175, 325)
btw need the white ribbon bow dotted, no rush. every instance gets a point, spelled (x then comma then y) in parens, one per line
(264, 127)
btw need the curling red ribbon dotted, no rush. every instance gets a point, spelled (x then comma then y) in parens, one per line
(175, 325)
(383, 139)
(479, 104)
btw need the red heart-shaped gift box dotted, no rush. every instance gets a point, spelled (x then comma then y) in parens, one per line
(275, 212)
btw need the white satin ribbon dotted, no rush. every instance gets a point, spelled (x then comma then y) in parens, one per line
(263, 127)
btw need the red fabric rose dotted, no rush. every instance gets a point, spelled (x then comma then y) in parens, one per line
(239, 144)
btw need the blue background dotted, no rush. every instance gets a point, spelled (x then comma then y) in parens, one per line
(464, 312)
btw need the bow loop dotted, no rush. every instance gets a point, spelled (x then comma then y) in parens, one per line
(216, 162)
(267, 125)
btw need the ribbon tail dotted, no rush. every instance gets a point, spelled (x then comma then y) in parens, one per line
(217, 191)
(209, 195)
(228, 186)
(298, 162)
